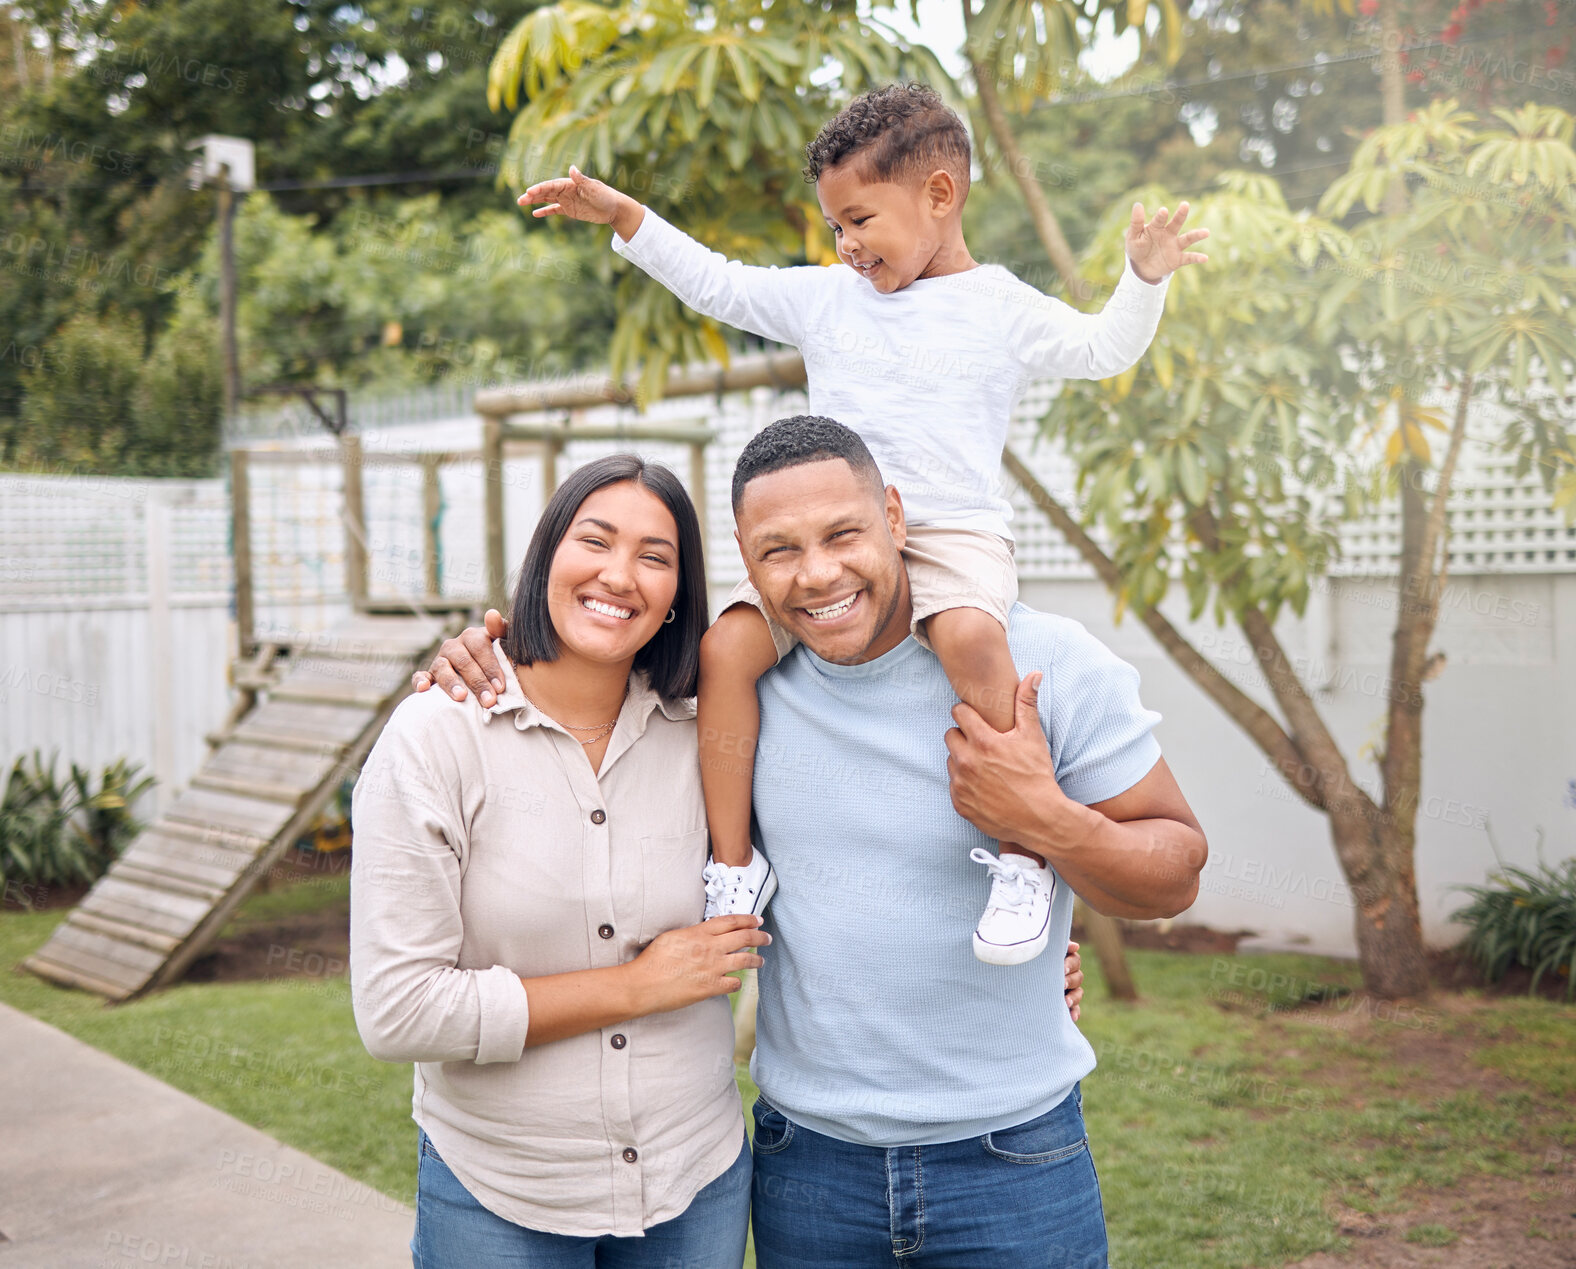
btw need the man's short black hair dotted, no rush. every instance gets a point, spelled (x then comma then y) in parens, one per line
(900, 132)
(672, 658)
(792, 442)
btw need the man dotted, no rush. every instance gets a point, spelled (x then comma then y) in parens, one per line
(918, 1105)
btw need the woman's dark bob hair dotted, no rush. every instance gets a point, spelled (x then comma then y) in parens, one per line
(672, 658)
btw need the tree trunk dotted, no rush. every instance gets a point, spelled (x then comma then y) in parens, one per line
(1386, 917)
(1046, 227)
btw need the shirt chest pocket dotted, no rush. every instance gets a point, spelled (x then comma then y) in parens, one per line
(673, 894)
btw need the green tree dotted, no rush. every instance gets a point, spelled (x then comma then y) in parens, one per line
(612, 87)
(701, 114)
(77, 409)
(1231, 454)
(178, 406)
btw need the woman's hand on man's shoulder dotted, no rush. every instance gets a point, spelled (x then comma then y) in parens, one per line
(465, 663)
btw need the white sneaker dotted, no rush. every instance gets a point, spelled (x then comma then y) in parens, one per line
(733, 890)
(1017, 921)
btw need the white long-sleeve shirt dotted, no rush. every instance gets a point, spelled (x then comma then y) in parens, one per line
(927, 375)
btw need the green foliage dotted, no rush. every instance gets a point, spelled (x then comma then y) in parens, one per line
(1294, 376)
(407, 291)
(55, 833)
(700, 112)
(93, 404)
(1524, 917)
(1032, 46)
(78, 408)
(179, 403)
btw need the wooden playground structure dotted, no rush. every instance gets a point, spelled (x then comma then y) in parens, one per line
(309, 706)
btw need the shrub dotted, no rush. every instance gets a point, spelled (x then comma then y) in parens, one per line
(77, 402)
(64, 834)
(1525, 918)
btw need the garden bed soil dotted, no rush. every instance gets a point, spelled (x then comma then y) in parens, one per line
(305, 946)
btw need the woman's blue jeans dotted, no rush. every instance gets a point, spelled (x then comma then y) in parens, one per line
(454, 1231)
(1025, 1197)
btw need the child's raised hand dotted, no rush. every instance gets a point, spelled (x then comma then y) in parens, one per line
(1156, 248)
(577, 196)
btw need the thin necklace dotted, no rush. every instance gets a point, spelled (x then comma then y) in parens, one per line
(599, 730)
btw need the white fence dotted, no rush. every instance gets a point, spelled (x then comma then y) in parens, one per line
(116, 627)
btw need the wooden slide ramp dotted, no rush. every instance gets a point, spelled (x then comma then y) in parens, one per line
(269, 775)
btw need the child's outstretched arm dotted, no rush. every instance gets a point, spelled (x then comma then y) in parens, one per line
(1055, 339)
(773, 303)
(582, 197)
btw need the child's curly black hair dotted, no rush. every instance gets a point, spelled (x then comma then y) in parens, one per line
(901, 131)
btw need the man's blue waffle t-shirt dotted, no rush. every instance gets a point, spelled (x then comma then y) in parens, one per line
(877, 1024)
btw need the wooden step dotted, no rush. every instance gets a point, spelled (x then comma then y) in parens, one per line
(270, 765)
(238, 841)
(73, 975)
(111, 960)
(229, 811)
(160, 877)
(126, 932)
(323, 727)
(361, 638)
(285, 795)
(153, 908)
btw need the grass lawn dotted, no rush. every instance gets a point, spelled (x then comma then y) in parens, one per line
(1233, 1122)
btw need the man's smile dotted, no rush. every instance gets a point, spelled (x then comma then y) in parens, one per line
(835, 610)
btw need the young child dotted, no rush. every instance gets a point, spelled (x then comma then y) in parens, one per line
(924, 353)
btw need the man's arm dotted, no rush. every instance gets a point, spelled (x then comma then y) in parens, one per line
(1137, 855)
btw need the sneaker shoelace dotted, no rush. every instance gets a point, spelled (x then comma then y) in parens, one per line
(1011, 888)
(722, 881)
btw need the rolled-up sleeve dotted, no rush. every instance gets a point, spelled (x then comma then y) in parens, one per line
(412, 1001)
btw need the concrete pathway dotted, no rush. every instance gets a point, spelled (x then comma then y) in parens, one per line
(104, 1166)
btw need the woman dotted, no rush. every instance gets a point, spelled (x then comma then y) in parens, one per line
(524, 903)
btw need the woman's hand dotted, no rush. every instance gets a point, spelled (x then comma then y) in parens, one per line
(1073, 968)
(467, 661)
(680, 967)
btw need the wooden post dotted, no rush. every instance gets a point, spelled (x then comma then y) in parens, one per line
(492, 484)
(431, 510)
(241, 548)
(355, 524)
(1106, 935)
(552, 447)
(232, 372)
(161, 642)
(698, 493)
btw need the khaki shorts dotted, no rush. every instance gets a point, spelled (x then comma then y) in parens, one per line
(947, 568)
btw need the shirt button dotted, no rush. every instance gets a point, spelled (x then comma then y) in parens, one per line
(618, 1042)
(606, 931)
(599, 816)
(630, 1154)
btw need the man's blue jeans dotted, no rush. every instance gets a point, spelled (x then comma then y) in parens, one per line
(1025, 1197)
(454, 1231)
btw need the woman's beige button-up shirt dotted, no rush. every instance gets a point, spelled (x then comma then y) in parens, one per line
(485, 853)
